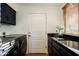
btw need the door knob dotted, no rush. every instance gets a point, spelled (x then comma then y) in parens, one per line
(29, 32)
(29, 35)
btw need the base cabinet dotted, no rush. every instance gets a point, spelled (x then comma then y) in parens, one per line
(50, 50)
(19, 48)
(56, 49)
(55, 52)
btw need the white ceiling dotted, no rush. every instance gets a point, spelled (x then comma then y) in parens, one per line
(36, 4)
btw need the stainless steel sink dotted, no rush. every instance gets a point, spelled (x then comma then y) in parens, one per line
(60, 39)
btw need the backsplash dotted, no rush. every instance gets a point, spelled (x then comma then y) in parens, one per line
(9, 29)
(6, 28)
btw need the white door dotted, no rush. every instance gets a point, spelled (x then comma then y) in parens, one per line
(37, 33)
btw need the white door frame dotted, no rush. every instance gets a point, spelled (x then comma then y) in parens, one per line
(45, 32)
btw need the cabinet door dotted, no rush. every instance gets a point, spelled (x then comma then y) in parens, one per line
(23, 46)
(64, 52)
(15, 50)
(3, 13)
(7, 14)
(55, 52)
(50, 50)
(59, 50)
(72, 19)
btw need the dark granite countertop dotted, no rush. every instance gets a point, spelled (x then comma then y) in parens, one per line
(11, 37)
(8, 39)
(70, 44)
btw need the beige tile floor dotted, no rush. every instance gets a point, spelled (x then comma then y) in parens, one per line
(37, 54)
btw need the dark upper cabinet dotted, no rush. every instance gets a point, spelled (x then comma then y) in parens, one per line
(8, 15)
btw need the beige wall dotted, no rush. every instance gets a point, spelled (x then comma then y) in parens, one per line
(53, 12)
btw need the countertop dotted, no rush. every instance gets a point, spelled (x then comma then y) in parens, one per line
(6, 41)
(70, 44)
(75, 35)
(11, 37)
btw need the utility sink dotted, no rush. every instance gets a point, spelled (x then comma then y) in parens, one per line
(60, 39)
